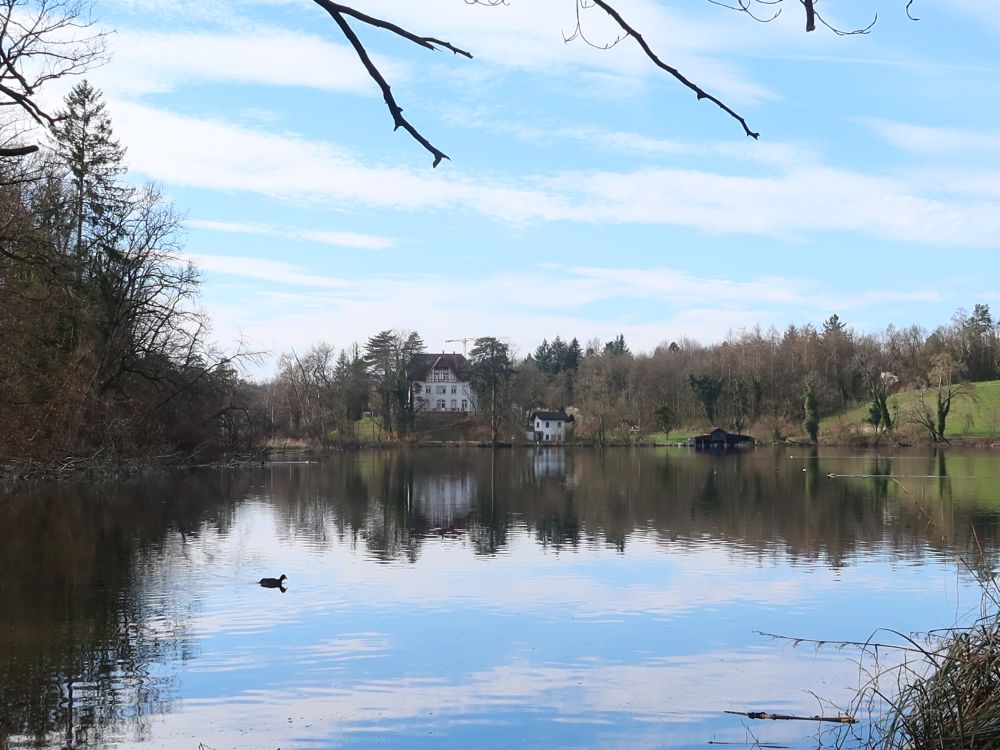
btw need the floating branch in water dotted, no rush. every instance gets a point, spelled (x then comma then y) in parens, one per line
(839, 719)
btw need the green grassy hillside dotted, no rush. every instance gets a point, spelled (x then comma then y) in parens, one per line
(978, 417)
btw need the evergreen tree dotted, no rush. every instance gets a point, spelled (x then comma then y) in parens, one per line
(559, 352)
(543, 357)
(491, 370)
(409, 349)
(389, 358)
(380, 360)
(980, 344)
(617, 346)
(85, 145)
(833, 326)
(350, 377)
(573, 355)
(707, 388)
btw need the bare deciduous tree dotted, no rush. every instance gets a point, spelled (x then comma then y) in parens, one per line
(40, 41)
(944, 388)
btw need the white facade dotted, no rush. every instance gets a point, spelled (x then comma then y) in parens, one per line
(548, 427)
(442, 391)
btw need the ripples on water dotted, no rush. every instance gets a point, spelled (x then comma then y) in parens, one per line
(465, 599)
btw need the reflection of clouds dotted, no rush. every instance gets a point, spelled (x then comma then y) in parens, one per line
(656, 578)
(333, 693)
(650, 704)
(324, 653)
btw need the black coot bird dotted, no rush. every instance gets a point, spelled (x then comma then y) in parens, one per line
(274, 583)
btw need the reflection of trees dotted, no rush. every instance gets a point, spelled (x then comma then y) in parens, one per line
(757, 502)
(78, 640)
(82, 643)
(489, 521)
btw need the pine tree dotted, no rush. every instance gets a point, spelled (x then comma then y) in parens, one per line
(86, 147)
(491, 370)
(617, 347)
(573, 355)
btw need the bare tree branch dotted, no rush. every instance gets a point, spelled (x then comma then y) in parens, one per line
(743, 6)
(18, 151)
(338, 11)
(810, 15)
(699, 92)
(40, 41)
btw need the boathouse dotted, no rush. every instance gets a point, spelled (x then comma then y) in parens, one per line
(719, 438)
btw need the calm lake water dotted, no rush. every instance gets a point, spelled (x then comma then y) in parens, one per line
(463, 599)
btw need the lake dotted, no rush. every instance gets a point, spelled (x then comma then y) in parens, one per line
(558, 598)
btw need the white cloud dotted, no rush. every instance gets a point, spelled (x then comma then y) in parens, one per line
(794, 201)
(324, 236)
(530, 36)
(936, 140)
(983, 12)
(522, 36)
(634, 144)
(655, 304)
(147, 62)
(263, 270)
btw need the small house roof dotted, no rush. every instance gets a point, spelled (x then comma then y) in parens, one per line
(552, 416)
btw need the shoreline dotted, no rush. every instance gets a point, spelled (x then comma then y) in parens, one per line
(72, 468)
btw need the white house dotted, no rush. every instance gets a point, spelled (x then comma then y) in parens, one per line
(548, 426)
(437, 385)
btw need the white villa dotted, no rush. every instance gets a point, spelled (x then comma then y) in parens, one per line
(548, 426)
(437, 385)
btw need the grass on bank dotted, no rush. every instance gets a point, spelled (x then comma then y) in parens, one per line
(978, 417)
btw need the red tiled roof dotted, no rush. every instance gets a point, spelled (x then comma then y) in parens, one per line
(425, 363)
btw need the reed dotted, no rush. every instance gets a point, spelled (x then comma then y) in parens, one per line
(955, 702)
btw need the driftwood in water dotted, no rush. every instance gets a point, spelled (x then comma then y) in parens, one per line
(839, 719)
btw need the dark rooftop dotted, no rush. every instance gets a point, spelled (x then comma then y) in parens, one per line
(552, 416)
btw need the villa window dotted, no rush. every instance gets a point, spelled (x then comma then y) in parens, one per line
(427, 390)
(442, 389)
(546, 424)
(454, 404)
(440, 404)
(465, 405)
(454, 389)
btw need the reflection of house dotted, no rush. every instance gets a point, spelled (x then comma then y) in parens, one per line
(719, 438)
(548, 426)
(547, 463)
(437, 384)
(444, 498)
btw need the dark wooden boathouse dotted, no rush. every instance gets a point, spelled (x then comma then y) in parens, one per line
(720, 439)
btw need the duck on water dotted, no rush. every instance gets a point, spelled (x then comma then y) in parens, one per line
(274, 583)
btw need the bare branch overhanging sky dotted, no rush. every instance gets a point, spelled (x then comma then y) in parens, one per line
(588, 194)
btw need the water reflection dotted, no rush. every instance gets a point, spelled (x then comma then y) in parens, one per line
(121, 601)
(85, 616)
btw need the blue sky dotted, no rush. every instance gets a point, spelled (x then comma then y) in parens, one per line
(587, 193)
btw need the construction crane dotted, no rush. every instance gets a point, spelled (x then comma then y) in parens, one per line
(464, 341)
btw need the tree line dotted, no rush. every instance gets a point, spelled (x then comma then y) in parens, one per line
(777, 384)
(106, 357)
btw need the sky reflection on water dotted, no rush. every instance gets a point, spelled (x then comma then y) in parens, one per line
(462, 600)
